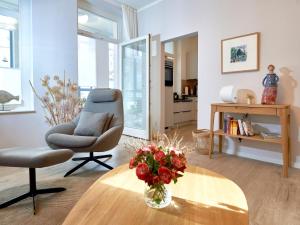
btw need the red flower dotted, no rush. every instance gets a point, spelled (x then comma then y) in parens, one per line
(159, 156)
(142, 171)
(139, 151)
(178, 163)
(152, 179)
(149, 179)
(174, 174)
(155, 179)
(165, 174)
(153, 148)
(131, 163)
(172, 152)
(146, 149)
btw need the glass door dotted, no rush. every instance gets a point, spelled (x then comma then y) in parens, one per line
(135, 86)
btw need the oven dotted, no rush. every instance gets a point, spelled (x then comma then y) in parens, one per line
(168, 73)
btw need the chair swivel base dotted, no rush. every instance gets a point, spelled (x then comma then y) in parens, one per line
(33, 191)
(89, 159)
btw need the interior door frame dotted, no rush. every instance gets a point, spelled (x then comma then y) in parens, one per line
(131, 131)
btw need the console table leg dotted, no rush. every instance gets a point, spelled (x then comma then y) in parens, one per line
(289, 140)
(212, 120)
(285, 142)
(221, 123)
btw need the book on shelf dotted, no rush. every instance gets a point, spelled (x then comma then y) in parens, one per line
(248, 128)
(269, 135)
(230, 127)
(244, 127)
(237, 127)
(227, 124)
(241, 129)
(234, 130)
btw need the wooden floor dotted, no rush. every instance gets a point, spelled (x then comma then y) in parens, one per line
(272, 200)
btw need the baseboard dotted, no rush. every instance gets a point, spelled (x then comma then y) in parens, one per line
(296, 164)
(186, 123)
(270, 157)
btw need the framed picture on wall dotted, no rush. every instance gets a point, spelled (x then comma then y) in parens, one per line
(240, 54)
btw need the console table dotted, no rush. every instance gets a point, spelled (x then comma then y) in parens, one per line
(281, 111)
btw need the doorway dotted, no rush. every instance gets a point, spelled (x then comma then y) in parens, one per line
(181, 81)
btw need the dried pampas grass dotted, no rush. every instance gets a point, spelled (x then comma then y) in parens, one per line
(61, 101)
(172, 141)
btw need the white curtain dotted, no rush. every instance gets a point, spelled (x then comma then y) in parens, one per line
(130, 22)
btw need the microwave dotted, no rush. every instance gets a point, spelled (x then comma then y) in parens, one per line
(169, 73)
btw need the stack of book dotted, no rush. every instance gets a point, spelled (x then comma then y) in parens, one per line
(268, 135)
(237, 127)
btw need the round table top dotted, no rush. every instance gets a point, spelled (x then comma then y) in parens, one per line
(199, 197)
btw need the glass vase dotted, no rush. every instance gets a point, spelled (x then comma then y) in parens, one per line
(157, 196)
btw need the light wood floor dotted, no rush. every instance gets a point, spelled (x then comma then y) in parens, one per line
(272, 200)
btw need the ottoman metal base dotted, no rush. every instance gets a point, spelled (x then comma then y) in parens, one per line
(33, 191)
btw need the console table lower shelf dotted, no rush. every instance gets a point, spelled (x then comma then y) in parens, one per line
(254, 138)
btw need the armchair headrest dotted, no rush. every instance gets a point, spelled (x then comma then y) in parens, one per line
(99, 95)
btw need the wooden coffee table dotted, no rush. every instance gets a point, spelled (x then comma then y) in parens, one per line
(200, 197)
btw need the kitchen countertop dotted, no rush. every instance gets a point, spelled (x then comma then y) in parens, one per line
(183, 100)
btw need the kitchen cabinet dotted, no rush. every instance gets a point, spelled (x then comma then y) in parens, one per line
(192, 65)
(169, 102)
(182, 112)
(194, 108)
(182, 106)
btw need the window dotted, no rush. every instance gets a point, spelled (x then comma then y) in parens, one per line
(86, 65)
(113, 65)
(97, 52)
(93, 70)
(10, 74)
(169, 47)
(9, 33)
(97, 26)
(87, 61)
(16, 52)
(5, 48)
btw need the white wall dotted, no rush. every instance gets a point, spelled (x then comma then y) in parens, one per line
(54, 51)
(214, 20)
(157, 118)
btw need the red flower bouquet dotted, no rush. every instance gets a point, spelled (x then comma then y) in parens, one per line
(158, 166)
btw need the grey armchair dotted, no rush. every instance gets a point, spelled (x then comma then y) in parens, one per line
(98, 101)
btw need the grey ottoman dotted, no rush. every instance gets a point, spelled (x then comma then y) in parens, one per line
(33, 158)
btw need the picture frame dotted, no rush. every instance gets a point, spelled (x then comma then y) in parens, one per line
(240, 54)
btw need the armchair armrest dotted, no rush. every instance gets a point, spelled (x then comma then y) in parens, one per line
(109, 139)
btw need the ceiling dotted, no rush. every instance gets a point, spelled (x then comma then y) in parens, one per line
(138, 4)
